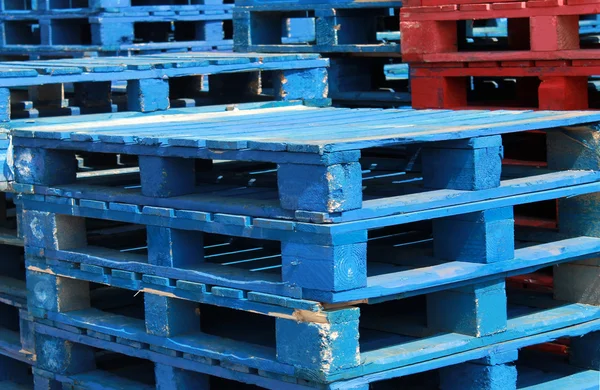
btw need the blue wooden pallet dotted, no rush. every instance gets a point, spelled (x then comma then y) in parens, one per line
(305, 142)
(67, 6)
(455, 286)
(253, 363)
(332, 27)
(154, 82)
(114, 31)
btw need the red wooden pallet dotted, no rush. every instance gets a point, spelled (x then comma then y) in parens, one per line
(497, 3)
(563, 85)
(537, 30)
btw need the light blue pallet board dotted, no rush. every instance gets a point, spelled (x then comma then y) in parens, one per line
(382, 128)
(379, 364)
(31, 73)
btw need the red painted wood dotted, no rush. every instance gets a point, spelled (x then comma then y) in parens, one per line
(498, 10)
(563, 93)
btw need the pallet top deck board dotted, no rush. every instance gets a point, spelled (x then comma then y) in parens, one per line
(30, 73)
(341, 130)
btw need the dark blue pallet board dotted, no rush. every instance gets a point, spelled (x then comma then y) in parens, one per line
(297, 26)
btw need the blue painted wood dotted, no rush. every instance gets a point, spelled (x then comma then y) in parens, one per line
(62, 356)
(344, 26)
(521, 333)
(156, 66)
(324, 348)
(475, 376)
(476, 310)
(461, 166)
(387, 283)
(483, 237)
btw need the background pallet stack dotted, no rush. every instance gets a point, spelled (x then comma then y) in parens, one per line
(76, 28)
(543, 52)
(360, 38)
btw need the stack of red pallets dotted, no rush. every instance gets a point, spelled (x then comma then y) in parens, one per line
(543, 53)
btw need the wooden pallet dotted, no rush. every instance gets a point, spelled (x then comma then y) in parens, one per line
(319, 27)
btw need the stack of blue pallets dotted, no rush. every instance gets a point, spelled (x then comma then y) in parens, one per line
(361, 38)
(292, 247)
(76, 28)
(156, 84)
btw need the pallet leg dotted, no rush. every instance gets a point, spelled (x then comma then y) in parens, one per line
(438, 92)
(4, 105)
(163, 177)
(480, 237)
(168, 378)
(332, 188)
(168, 317)
(483, 374)
(44, 166)
(53, 231)
(576, 148)
(46, 292)
(321, 347)
(563, 93)
(112, 34)
(211, 31)
(552, 33)
(63, 357)
(177, 248)
(304, 84)
(478, 310)
(425, 37)
(584, 351)
(472, 165)
(327, 268)
(147, 95)
(26, 331)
